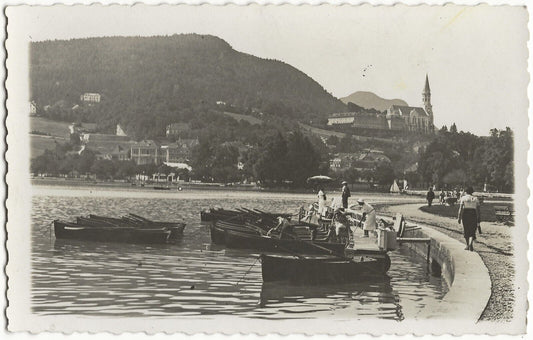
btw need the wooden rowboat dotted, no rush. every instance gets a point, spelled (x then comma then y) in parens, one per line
(218, 230)
(176, 228)
(133, 221)
(241, 214)
(245, 240)
(217, 235)
(213, 215)
(67, 230)
(324, 269)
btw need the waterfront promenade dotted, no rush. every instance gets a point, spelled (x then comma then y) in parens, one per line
(495, 247)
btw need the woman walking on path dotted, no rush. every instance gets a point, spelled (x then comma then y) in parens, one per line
(430, 196)
(469, 214)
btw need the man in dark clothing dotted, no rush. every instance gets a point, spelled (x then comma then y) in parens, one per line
(345, 194)
(430, 196)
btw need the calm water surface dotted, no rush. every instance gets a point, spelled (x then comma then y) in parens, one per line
(194, 277)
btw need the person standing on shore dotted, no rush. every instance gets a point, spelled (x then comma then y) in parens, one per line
(430, 196)
(321, 201)
(345, 194)
(442, 196)
(469, 215)
(369, 216)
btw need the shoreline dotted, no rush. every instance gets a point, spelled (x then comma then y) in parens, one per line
(164, 186)
(494, 246)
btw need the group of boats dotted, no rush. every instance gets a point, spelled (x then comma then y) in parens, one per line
(130, 228)
(290, 250)
(305, 252)
(249, 229)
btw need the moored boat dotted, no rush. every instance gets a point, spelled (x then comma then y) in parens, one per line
(134, 221)
(247, 240)
(242, 214)
(295, 238)
(213, 214)
(176, 228)
(68, 230)
(323, 269)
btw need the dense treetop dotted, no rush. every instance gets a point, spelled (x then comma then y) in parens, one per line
(146, 81)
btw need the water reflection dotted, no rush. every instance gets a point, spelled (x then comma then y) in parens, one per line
(304, 299)
(194, 277)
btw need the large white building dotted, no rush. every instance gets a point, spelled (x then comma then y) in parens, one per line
(341, 118)
(90, 97)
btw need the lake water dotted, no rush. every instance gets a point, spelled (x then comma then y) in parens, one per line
(193, 277)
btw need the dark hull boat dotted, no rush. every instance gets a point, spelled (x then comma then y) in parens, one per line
(218, 230)
(74, 231)
(318, 270)
(176, 228)
(135, 221)
(243, 240)
(300, 238)
(213, 215)
(241, 214)
(217, 235)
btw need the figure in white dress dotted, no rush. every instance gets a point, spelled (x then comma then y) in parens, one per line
(369, 216)
(321, 201)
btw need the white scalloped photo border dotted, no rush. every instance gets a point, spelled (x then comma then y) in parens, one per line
(18, 205)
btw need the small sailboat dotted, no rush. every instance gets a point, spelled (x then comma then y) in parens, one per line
(394, 188)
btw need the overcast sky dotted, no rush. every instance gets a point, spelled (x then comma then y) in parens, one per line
(476, 57)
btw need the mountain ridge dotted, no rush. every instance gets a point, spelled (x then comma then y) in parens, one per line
(370, 100)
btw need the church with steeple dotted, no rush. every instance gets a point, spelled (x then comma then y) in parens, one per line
(412, 118)
(396, 118)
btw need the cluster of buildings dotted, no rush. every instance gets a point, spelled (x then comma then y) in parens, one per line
(367, 159)
(174, 153)
(87, 98)
(397, 117)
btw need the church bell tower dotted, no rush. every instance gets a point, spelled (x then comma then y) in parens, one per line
(426, 99)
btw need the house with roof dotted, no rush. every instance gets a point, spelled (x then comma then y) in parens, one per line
(117, 152)
(177, 129)
(411, 118)
(111, 150)
(33, 108)
(146, 152)
(341, 118)
(90, 97)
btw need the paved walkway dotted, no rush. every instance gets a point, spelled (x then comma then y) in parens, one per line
(495, 246)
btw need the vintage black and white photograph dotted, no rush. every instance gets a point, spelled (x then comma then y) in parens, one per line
(267, 169)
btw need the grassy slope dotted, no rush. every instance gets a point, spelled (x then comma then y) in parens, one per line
(58, 132)
(53, 128)
(40, 143)
(250, 119)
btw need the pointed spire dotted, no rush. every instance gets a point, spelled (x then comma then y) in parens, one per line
(426, 87)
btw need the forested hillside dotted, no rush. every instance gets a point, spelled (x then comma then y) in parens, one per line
(147, 82)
